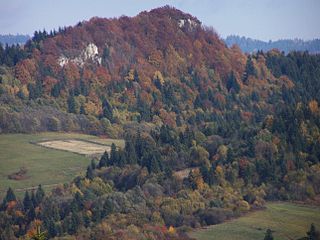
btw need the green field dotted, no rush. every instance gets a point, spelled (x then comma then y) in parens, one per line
(44, 166)
(286, 220)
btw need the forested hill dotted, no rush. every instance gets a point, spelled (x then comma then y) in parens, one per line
(13, 39)
(250, 45)
(210, 132)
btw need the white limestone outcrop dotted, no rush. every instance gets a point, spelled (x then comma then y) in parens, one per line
(89, 53)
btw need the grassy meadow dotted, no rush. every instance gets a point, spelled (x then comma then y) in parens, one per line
(44, 166)
(286, 220)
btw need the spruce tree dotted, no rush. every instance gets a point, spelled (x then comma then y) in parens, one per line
(268, 235)
(104, 160)
(113, 154)
(138, 146)
(31, 213)
(107, 110)
(89, 173)
(55, 92)
(10, 196)
(136, 76)
(121, 159)
(52, 231)
(39, 194)
(93, 164)
(204, 170)
(79, 201)
(82, 110)
(27, 202)
(249, 70)
(71, 103)
(34, 199)
(312, 234)
(232, 83)
(230, 155)
(107, 209)
(130, 153)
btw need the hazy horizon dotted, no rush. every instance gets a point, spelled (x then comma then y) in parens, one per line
(264, 20)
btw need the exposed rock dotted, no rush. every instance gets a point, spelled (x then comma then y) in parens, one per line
(90, 53)
(191, 23)
(63, 60)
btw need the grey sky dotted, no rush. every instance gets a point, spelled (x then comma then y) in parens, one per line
(261, 19)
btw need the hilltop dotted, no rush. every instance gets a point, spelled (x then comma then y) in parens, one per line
(103, 68)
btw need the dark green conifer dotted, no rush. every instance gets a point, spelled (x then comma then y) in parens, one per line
(27, 202)
(268, 235)
(104, 160)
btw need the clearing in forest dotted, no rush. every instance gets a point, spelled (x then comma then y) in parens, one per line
(24, 163)
(76, 146)
(286, 221)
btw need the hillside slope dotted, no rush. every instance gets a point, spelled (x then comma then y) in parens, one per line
(151, 67)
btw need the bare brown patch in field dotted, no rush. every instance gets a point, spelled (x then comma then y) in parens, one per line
(20, 175)
(76, 146)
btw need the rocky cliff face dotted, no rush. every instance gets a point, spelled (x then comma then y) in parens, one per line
(89, 53)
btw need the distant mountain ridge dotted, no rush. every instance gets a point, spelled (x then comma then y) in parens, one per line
(250, 45)
(246, 44)
(13, 39)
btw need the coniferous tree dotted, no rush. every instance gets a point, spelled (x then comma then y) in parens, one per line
(31, 213)
(139, 147)
(93, 164)
(27, 202)
(205, 173)
(55, 92)
(39, 89)
(312, 234)
(268, 235)
(113, 154)
(73, 223)
(52, 231)
(130, 153)
(230, 155)
(136, 76)
(71, 103)
(89, 173)
(78, 202)
(34, 199)
(82, 109)
(168, 171)
(86, 220)
(121, 160)
(107, 209)
(104, 160)
(39, 194)
(107, 110)
(249, 70)
(212, 177)
(10, 196)
(232, 83)
(152, 160)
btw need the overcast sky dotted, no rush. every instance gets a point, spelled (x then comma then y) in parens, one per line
(260, 19)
